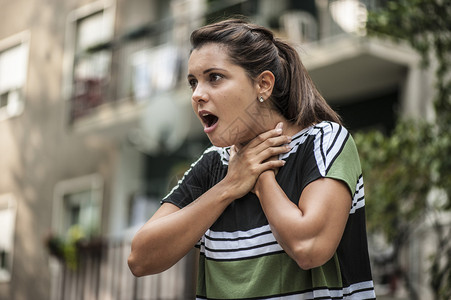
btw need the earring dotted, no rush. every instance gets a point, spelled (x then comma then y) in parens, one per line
(261, 99)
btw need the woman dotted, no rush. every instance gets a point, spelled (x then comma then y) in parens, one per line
(276, 205)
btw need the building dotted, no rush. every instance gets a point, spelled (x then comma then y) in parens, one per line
(96, 124)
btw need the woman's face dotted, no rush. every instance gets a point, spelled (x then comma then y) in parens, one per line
(224, 97)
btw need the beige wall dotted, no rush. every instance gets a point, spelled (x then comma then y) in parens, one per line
(38, 149)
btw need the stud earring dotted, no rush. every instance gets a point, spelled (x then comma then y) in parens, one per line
(261, 99)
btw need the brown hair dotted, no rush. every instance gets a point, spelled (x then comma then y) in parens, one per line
(255, 49)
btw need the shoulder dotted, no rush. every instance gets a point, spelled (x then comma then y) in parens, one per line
(221, 153)
(321, 138)
(213, 155)
(330, 141)
(328, 132)
(329, 136)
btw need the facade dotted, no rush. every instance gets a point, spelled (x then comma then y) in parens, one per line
(96, 125)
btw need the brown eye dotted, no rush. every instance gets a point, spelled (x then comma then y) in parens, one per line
(215, 77)
(192, 83)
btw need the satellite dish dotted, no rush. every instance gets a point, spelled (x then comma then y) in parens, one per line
(164, 124)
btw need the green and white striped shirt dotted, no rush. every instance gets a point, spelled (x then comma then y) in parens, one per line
(240, 257)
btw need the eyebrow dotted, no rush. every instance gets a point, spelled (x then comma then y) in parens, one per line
(207, 71)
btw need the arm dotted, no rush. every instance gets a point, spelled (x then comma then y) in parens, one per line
(310, 232)
(172, 232)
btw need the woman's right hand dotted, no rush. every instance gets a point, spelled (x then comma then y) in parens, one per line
(259, 155)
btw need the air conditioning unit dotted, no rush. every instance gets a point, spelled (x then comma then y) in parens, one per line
(299, 26)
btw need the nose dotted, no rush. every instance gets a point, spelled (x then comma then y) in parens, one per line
(199, 94)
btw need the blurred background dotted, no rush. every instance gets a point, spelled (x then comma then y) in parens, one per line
(96, 126)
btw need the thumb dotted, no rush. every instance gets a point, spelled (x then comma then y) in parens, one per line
(233, 151)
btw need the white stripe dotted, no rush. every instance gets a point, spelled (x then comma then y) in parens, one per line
(342, 135)
(236, 244)
(295, 145)
(237, 234)
(324, 140)
(359, 193)
(265, 250)
(350, 292)
(224, 154)
(296, 142)
(241, 243)
(358, 286)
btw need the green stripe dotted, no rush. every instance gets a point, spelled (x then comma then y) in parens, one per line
(271, 275)
(346, 166)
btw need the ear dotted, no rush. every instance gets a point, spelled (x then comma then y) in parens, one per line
(265, 84)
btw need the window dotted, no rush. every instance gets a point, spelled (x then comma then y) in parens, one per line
(83, 210)
(13, 71)
(141, 208)
(7, 222)
(155, 70)
(92, 32)
(78, 203)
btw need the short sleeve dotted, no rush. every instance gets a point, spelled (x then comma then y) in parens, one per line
(346, 166)
(193, 183)
(336, 154)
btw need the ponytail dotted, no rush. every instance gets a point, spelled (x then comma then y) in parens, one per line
(295, 95)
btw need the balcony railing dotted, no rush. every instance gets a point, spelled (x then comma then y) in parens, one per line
(102, 273)
(134, 66)
(122, 67)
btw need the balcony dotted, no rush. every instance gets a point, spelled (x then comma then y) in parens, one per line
(102, 273)
(131, 67)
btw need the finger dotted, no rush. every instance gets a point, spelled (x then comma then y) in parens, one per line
(261, 138)
(271, 165)
(272, 152)
(273, 142)
(233, 151)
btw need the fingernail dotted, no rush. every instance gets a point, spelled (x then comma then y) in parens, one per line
(279, 125)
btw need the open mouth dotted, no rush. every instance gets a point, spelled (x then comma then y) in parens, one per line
(209, 119)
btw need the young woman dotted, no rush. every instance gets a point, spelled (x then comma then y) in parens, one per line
(276, 206)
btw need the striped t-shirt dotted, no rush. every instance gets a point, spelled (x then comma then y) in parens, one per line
(240, 257)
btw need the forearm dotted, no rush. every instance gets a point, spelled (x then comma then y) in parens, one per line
(164, 240)
(296, 231)
(279, 211)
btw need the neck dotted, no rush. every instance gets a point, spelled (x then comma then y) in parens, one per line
(288, 128)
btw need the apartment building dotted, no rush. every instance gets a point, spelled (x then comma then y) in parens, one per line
(96, 125)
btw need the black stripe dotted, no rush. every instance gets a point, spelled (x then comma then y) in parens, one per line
(239, 249)
(299, 136)
(359, 291)
(338, 153)
(238, 238)
(301, 293)
(359, 187)
(321, 147)
(335, 139)
(242, 258)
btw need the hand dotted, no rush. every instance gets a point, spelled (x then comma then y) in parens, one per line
(259, 155)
